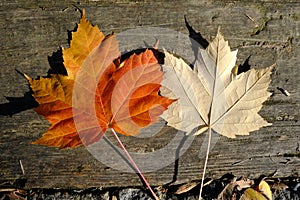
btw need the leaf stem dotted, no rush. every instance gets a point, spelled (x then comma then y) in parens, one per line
(205, 163)
(134, 164)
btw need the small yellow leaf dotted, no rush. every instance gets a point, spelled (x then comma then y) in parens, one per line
(264, 188)
(251, 194)
(235, 70)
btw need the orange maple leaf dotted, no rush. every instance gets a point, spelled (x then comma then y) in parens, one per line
(99, 94)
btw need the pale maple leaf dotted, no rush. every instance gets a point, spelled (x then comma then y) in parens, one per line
(211, 96)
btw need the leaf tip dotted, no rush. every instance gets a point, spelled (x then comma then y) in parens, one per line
(272, 67)
(25, 75)
(83, 13)
(219, 30)
(113, 34)
(35, 142)
(155, 46)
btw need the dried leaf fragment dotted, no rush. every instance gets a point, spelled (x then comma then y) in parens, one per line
(228, 192)
(186, 187)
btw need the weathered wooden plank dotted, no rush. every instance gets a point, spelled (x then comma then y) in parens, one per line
(31, 31)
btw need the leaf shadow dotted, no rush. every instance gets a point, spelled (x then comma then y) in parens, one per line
(196, 35)
(56, 63)
(18, 104)
(245, 66)
(197, 39)
(121, 154)
(176, 163)
(177, 155)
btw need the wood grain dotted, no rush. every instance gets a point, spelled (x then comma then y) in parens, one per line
(267, 30)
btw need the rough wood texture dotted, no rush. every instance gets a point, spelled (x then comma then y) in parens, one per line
(32, 30)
